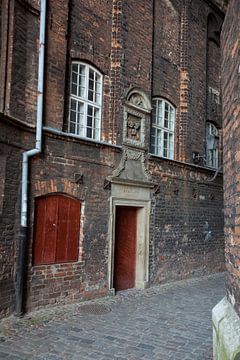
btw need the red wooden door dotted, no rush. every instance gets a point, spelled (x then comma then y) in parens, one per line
(125, 247)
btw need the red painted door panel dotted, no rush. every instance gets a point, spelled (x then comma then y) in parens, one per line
(125, 247)
(63, 230)
(57, 226)
(51, 219)
(73, 230)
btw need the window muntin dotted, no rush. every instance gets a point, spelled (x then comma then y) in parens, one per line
(212, 135)
(85, 101)
(162, 132)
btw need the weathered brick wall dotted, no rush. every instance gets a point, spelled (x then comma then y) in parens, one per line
(55, 172)
(22, 63)
(130, 48)
(138, 31)
(5, 19)
(9, 214)
(166, 56)
(186, 222)
(231, 147)
(55, 67)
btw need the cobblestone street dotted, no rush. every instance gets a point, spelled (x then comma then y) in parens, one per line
(171, 321)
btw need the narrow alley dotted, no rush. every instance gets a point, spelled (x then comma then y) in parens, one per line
(171, 321)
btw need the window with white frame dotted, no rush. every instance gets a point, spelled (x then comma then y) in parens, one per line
(212, 141)
(162, 132)
(85, 101)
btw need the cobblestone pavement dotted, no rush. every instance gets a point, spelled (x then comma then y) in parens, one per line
(171, 321)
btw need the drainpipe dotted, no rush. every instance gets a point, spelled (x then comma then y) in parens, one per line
(26, 156)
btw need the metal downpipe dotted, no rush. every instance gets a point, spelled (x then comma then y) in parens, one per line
(25, 166)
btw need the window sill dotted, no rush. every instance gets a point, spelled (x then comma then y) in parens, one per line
(200, 167)
(77, 137)
(59, 265)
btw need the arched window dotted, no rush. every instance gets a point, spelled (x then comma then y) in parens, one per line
(85, 101)
(212, 147)
(162, 132)
(56, 229)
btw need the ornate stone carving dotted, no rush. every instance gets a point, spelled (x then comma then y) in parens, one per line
(137, 100)
(136, 118)
(132, 167)
(133, 155)
(133, 127)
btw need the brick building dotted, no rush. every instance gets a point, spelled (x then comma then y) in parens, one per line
(226, 315)
(126, 181)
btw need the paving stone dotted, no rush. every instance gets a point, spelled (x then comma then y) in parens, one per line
(3, 355)
(171, 321)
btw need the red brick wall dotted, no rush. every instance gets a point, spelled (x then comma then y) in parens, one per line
(21, 92)
(231, 147)
(55, 172)
(131, 48)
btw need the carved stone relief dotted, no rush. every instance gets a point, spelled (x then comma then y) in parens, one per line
(137, 109)
(137, 100)
(136, 123)
(133, 127)
(132, 167)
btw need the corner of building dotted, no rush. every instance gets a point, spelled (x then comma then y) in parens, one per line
(226, 332)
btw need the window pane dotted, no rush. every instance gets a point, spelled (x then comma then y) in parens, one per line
(74, 89)
(82, 81)
(159, 113)
(72, 128)
(90, 95)
(82, 70)
(74, 77)
(166, 119)
(89, 133)
(91, 74)
(171, 123)
(81, 91)
(159, 142)
(90, 111)
(75, 68)
(80, 120)
(96, 123)
(89, 121)
(73, 104)
(91, 85)
(98, 99)
(171, 146)
(165, 144)
(97, 78)
(73, 116)
(98, 93)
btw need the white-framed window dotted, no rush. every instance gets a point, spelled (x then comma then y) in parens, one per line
(212, 141)
(85, 101)
(162, 131)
